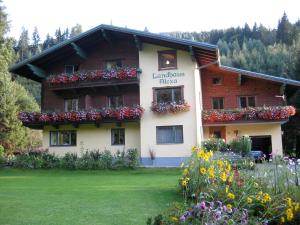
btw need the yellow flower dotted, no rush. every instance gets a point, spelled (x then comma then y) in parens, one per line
(226, 189)
(182, 165)
(184, 183)
(200, 154)
(185, 171)
(231, 195)
(211, 172)
(289, 214)
(229, 206)
(255, 184)
(220, 163)
(249, 200)
(230, 178)
(297, 206)
(194, 148)
(282, 220)
(203, 170)
(266, 197)
(289, 202)
(251, 164)
(174, 219)
(223, 176)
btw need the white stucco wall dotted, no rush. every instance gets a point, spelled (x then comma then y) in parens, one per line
(272, 129)
(89, 137)
(148, 59)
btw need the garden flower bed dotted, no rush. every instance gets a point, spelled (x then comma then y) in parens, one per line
(124, 73)
(119, 114)
(256, 113)
(170, 107)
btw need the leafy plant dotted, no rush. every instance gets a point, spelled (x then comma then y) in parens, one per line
(241, 145)
(214, 144)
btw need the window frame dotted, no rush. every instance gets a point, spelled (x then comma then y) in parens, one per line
(111, 137)
(56, 132)
(112, 60)
(109, 100)
(218, 77)
(65, 104)
(217, 98)
(155, 89)
(173, 129)
(73, 69)
(247, 100)
(160, 54)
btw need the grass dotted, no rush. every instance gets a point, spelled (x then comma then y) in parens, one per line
(38, 197)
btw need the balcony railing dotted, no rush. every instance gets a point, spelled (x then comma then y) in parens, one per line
(94, 78)
(270, 113)
(96, 116)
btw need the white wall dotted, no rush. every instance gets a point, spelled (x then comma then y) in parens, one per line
(148, 59)
(90, 137)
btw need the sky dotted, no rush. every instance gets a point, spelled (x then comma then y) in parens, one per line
(156, 15)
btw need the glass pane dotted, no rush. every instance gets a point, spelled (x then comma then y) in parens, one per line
(69, 69)
(243, 102)
(168, 60)
(251, 101)
(53, 138)
(118, 136)
(178, 134)
(73, 138)
(164, 95)
(221, 103)
(217, 134)
(177, 95)
(164, 135)
(74, 105)
(215, 103)
(113, 64)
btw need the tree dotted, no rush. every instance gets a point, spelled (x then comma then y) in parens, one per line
(36, 42)
(58, 36)
(49, 42)
(77, 29)
(13, 97)
(284, 30)
(23, 45)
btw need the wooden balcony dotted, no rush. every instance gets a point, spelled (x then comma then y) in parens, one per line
(94, 78)
(247, 115)
(37, 120)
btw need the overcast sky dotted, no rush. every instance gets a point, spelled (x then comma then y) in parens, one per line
(156, 15)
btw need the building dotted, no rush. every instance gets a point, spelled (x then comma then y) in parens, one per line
(166, 96)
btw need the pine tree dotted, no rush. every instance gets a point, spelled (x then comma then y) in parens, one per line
(23, 45)
(36, 42)
(77, 29)
(284, 30)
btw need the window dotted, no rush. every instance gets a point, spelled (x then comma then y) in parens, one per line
(110, 64)
(115, 101)
(163, 95)
(118, 136)
(218, 103)
(70, 69)
(71, 105)
(247, 101)
(63, 138)
(167, 60)
(217, 134)
(217, 80)
(169, 134)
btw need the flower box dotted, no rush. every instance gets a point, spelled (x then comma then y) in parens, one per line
(170, 107)
(256, 113)
(120, 114)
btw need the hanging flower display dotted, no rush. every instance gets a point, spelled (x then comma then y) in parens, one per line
(122, 113)
(114, 73)
(170, 107)
(257, 113)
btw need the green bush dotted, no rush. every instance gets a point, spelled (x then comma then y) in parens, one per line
(2, 159)
(214, 144)
(133, 158)
(241, 145)
(27, 161)
(69, 161)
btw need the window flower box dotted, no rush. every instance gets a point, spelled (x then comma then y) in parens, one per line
(119, 114)
(255, 113)
(170, 107)
(124, 73)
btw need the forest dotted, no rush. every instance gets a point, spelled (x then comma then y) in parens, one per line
(274, 51)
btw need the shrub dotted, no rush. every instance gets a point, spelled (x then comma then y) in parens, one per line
(69, 161)
(214, 144)
(119, 160)
(241, 145)
(133, 158)
(2, 158)
(27, 161)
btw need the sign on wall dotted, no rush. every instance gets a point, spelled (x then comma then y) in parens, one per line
(167, 78)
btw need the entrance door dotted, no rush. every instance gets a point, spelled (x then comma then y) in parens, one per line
(218, 132)
(262, 143)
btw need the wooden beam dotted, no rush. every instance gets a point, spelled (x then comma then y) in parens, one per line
(56, 126)
(79, 51)
(37, 71)
(138, 43)
(118, 124)
(192, 53)
(282, 89)
(106, 36)
(239, 79)
(75, 125)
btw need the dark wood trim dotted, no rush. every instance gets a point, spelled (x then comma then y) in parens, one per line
(167, 52)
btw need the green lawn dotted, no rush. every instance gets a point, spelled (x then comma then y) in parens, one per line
(41, 197)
